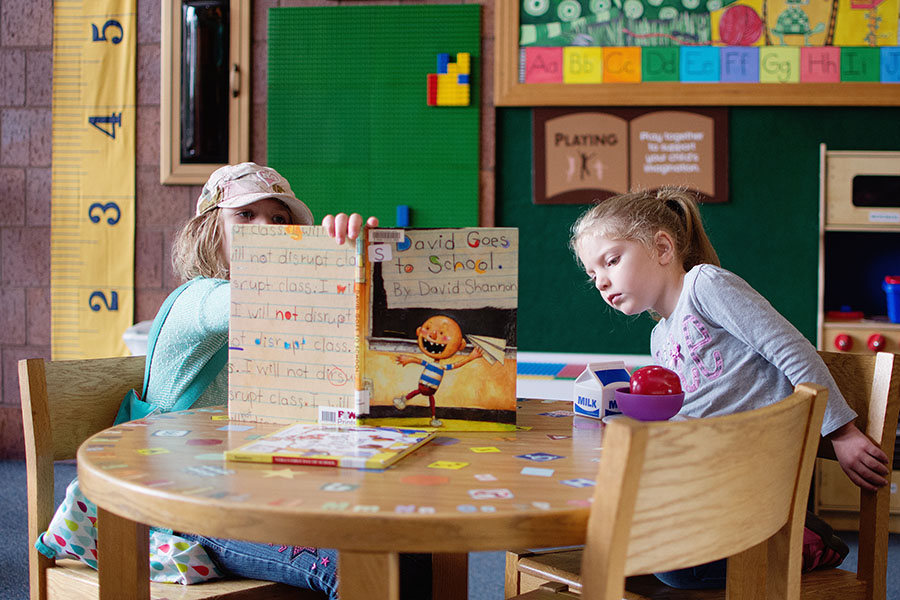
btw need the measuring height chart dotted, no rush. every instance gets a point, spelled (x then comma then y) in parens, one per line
(93, 177)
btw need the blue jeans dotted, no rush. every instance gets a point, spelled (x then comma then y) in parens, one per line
(702, 577)
(305, 567)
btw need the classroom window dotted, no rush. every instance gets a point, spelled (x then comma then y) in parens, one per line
(205, 88)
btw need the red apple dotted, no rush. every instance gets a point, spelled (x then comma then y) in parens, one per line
(655, 380)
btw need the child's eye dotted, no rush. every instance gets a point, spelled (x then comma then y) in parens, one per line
(612, 262)
(245, 214)
(280, 220)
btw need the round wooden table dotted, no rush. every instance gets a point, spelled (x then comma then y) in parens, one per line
(461, 492)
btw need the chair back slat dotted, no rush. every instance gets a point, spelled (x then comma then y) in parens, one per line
(675, 494)
(64, 403)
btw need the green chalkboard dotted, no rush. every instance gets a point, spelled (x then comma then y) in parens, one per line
(348, 120)
(767, 233)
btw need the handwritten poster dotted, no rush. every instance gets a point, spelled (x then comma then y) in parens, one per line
(584, 155)
(303, 310)
(454, 268)
(293, 321)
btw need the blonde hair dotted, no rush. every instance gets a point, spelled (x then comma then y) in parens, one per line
(640, 215)
(195, 252)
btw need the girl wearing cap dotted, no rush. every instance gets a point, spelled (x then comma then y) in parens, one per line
(197, 327)
(191, 346)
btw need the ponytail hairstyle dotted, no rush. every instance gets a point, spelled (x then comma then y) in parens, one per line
(640, 215)
(196, 251)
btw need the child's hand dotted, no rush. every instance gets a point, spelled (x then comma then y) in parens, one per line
(404, 360)
(863, 462)
(342, 227)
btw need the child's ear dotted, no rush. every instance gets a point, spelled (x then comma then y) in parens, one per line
(664, 247)
(462, 344)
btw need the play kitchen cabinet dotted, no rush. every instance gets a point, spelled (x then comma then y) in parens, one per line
(859, 246)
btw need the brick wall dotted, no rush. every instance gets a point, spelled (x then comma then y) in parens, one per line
(25, 143)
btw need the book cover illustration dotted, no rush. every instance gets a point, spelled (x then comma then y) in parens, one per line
(329, 446)
(412, 327)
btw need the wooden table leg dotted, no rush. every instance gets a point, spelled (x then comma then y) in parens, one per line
(123, 558)
(450, 576)
(368, 575)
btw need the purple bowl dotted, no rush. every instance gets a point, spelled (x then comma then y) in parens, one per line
(649, 407)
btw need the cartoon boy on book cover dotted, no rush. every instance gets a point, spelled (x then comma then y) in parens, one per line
(440, 338)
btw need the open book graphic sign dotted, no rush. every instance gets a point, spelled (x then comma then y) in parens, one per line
(413, 327)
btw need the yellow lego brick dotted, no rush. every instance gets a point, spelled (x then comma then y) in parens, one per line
(463, 62)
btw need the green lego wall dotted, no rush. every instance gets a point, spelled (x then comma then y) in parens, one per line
(348, 121)
(767, 233)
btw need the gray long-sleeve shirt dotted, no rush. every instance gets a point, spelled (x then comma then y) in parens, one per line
(735, 352)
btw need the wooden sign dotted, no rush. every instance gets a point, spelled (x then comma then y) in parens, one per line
(583, 155)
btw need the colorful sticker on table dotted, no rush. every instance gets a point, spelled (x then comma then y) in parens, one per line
(541, 505)
(197, 491)
(444, 441)
(338, 486)
(580, 482)
(203, 442)
(210, 456)
(97, 448)
(537, 472)
(171, 433)
(558, 437)
(485, 449)
(208, 471)
(485, 477)
(159, 483)
(114, 466)
(557, 413)
(152, 451)
(285, 502)
(366, 508)
(540, 456)
(283, 473)
(336, 506)
(235, 428)
(498, 493)
(447, 464)
(219, 418)
(582, 502)
(467, 508)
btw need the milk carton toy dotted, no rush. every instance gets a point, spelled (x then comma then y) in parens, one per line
(595, 389)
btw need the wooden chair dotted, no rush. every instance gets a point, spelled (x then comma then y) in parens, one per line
(64, 403)
(674, 494)
(871, 386)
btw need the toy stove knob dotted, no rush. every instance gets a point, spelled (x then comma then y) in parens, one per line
(843, 342)
(876, 342)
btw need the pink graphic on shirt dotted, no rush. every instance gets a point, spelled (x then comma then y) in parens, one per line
(697, 337)
(671, 357)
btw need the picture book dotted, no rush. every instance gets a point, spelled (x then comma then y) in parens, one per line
(328, 446)
(406, 327)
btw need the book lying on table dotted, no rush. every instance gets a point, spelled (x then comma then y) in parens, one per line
(406, 327)
(322, 445)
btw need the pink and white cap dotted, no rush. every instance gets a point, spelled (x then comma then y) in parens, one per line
(234, 186)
